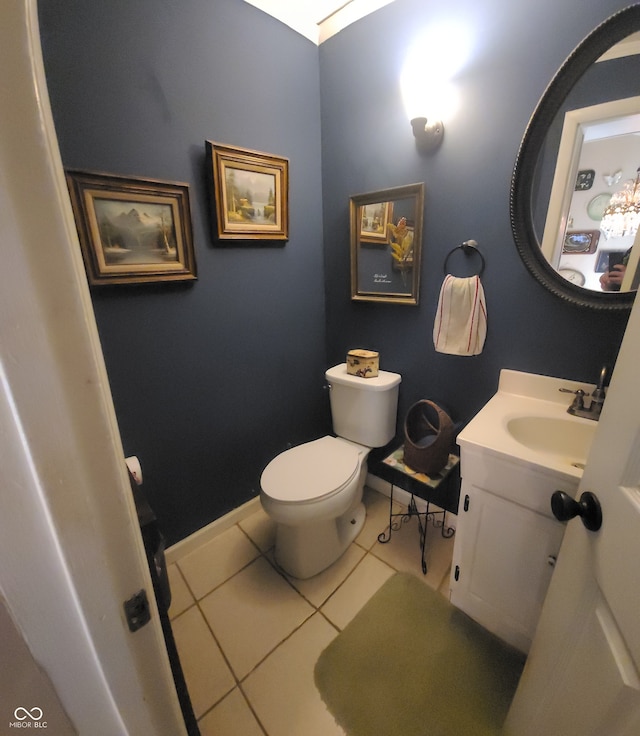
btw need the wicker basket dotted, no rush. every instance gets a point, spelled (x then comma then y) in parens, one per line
(428, 436)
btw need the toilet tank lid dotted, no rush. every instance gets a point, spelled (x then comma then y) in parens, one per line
(382, 382)
(311, 470)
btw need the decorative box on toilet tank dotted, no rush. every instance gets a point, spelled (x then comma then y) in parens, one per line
(363, 363)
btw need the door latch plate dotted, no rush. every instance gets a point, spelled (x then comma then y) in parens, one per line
(137, 610)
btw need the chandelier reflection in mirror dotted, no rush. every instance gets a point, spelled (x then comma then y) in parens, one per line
(622, 215)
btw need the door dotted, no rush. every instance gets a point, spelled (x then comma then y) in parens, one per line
(581, 678)
(70, 546)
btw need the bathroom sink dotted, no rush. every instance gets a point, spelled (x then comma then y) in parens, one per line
(566, 438)
(527, 422)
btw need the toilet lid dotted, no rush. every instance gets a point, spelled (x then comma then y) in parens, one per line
(310, 471)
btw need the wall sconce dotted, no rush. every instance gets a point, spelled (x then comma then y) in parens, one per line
(428, 135)
(427, 105)
(427, 80)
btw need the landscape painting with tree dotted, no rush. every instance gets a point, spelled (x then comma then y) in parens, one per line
(132, 230)
(251, 193)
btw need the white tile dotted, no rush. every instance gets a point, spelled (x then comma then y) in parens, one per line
(318, 588)
(216, 561)
(206, 673)
(252, 613)
(282, 690)
(403, 552)
(377, 520)
(231, 717)
(363, 582)
(261, 529)
(181, 597)
(210, 531)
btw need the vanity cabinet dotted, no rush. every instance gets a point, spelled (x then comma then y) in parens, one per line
(505, 549)
(519, 449)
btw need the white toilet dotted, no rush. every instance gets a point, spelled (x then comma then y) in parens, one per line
(314, 491)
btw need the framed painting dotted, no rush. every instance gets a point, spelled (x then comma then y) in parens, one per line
(132, 230)
(387, 268)
(580, 241)
(251, 192)
(374, 220)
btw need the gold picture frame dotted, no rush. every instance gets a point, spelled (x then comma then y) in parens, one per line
(132, 230)
(387, 269)
(251, 192)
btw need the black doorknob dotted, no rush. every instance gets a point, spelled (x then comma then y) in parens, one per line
(587, 508)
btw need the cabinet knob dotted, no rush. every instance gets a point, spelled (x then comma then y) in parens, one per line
(551, 560)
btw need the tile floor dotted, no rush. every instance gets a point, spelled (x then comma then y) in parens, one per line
(249, 636)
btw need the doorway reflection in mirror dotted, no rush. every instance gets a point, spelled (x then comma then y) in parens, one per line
(591, 214)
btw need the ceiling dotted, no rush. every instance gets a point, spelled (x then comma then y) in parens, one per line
(318, 20)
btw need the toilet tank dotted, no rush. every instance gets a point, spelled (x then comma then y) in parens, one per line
(364, 410)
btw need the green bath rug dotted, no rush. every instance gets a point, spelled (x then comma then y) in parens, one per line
(411, 664)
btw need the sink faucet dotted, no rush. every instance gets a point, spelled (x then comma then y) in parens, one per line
(578, 409)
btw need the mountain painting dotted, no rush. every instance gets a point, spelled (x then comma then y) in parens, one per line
(135, 232)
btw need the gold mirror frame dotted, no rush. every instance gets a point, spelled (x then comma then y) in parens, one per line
(386, 244)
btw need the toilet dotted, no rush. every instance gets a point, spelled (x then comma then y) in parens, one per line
(314, 491)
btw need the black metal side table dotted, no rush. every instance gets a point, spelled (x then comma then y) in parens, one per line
(442, 490)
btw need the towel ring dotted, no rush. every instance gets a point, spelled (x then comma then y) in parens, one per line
(469, 247)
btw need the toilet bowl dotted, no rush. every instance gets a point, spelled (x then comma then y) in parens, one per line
(314, 494)
(314, 491)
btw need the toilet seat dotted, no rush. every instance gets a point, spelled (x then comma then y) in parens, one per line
(311, 471)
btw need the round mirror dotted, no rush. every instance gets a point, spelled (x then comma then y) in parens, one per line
(573, 169)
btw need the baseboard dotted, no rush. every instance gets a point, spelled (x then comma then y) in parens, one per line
(209, 532)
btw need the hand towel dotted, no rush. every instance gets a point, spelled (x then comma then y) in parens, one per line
(460, 326)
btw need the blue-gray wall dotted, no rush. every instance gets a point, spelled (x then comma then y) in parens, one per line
(367, 145)
(211, 380)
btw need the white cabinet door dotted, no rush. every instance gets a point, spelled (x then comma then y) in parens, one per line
(503, 561)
